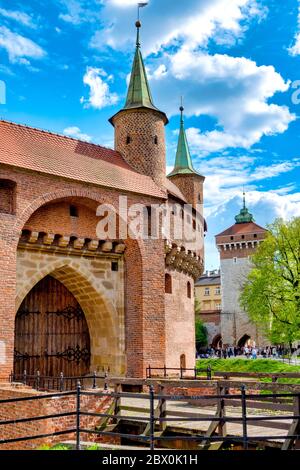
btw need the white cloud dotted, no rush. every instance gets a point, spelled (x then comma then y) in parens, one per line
(80, 11)
(100, 95)
(191, 22)
(19, 48)
(76, 133)
(295, 48)
(225, 178)
(232, 90)
(265, 206)
(226, 175)
(18, 16)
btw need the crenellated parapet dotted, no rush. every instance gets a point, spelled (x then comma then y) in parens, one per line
(33, 240)
(183, 260)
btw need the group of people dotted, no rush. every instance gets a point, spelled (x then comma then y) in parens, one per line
(247, 351)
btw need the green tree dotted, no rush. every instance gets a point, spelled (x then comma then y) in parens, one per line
(201, 331)
(271, 293)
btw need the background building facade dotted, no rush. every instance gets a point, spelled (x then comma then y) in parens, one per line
(208, 294)
(236, 245)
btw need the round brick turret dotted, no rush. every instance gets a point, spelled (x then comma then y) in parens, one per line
(140, 138)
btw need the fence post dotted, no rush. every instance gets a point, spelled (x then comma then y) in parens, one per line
(25, 377)
(244, 417)
(181, 372)
(195, 372)
(105, 382)
(78, 392)
(94, 380)
(208, 373)
(61, 382)
(165, 371)
(151, 396)
(162, 409)
(37, 380)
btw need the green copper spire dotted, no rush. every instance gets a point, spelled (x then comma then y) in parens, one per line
(139, 94)
(244, 216)
(183, 162)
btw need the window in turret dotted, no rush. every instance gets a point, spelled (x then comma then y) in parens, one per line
(168, 284)
(156, 140)
(189, 290)
(128, 139)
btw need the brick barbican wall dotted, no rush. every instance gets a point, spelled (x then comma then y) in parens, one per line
(46, 406)
(144, 264)
(180, 321)
(142, 126)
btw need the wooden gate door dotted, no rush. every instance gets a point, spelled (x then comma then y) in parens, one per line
(51, 332)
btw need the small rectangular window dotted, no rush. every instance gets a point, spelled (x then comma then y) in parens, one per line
(73, 211)
(114, 266)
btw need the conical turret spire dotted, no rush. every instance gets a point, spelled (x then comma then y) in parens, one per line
(183, 162)
(244, 216)
(139, 94)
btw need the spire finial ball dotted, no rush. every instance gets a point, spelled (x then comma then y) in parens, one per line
(181, 108)
(138, 24)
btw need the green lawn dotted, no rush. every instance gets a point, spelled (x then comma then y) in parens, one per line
(250, 365)
(247, 365)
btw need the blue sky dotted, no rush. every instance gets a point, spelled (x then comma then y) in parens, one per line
(65, 64)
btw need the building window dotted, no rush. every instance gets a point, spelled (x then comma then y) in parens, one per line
(189, 290)
(156, 140)
(231, 238)
(218, 291)
(218, 306)
(7, 196)
(168, 284)
(194, 224)
(255, 235)
(206, 291)
(199, 197)
(243, 237)
(114, 266)
(128, 139)
(73, 211)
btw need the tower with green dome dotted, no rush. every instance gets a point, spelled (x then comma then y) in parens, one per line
(139, 125)
(184, 175)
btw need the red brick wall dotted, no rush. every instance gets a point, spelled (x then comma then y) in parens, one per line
(46, 406)
(145, 315)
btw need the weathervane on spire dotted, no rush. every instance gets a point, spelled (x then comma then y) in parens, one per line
(141, 5)
(138, 23)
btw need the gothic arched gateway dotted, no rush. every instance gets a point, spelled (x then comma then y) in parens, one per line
(51, 332)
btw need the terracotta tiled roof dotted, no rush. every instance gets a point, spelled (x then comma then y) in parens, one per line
(174, 190)
(37, 150)
(247, 227)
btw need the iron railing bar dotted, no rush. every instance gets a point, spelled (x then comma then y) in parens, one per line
(119, 417)
(109, 433)
(117, 395)
(38, 397)
(37, 436)
(36, 418)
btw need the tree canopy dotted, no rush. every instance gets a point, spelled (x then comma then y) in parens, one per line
(201, 331)
(271, 293)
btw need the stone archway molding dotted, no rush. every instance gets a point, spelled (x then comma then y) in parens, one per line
(106, 326)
